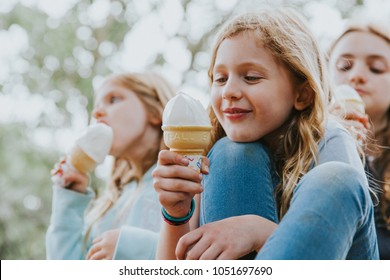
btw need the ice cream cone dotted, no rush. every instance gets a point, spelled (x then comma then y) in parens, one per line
(91, 147)
(350, 99)
(353, 105)
(79, 160)
(189, 141)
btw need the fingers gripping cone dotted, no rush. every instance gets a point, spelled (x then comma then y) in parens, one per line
(187, 128)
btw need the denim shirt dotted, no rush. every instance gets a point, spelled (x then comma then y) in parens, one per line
(136, 214)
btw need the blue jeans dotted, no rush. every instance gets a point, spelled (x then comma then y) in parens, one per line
(330, 215)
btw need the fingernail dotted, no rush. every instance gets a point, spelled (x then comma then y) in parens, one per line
(185, 161)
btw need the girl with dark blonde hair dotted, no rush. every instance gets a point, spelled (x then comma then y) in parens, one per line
(360, 57)
(122, 223)
(285, 180)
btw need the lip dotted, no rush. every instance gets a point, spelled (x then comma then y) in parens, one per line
(235, 113)
(361, 91)
(102, 121)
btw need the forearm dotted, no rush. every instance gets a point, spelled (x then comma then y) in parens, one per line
(169, 237)
(64, 238)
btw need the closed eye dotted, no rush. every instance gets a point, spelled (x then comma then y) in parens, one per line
(344, 65)
(252, 78)
(220, 80)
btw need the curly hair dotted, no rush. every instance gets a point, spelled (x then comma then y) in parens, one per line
(287, 36)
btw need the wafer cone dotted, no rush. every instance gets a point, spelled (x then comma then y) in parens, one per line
(80, 160)
(349, 99)
(190, 141)
(353, 105)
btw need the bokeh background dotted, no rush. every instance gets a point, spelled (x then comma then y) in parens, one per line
(54, 52)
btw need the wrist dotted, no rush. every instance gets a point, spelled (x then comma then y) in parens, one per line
(177, 221)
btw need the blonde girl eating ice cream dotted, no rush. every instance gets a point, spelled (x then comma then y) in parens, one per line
(285, 180)
(360, 58)
(123, 223)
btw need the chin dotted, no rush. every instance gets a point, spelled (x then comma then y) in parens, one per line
(242, 137)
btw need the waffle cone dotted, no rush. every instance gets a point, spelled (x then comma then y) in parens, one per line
(352, 105)
(187, 140)
(81, 161)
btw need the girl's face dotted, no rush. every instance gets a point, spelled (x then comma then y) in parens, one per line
(123, 111)
(362, 60)
(252, 94)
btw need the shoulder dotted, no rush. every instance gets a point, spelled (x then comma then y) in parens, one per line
(336, 137)
(334, 129)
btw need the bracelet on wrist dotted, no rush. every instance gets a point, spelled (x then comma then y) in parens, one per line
(178, 221)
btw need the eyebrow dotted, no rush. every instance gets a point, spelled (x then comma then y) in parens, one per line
(369, 56)
(244, 65)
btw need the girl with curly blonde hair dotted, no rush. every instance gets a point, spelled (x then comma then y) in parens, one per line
(285, 180)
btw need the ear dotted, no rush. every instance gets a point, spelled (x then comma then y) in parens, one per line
(305, 96)
(154, 120)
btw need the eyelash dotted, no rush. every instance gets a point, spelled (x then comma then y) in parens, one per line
(349, 65)
(247, 78)
(376, 71)
(113, 99)
(252, 78)
(220, 80)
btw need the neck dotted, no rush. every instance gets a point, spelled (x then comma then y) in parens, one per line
(143, 153)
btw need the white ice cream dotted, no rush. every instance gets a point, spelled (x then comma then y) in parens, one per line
(183, 110)
(347, 94)
(96, 141)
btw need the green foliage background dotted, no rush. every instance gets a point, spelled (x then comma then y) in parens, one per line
(25, 193)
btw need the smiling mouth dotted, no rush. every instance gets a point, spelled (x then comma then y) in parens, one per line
(236, 113)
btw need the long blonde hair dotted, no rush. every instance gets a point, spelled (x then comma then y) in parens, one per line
(380, 166)
(286, 35)
(154, 92)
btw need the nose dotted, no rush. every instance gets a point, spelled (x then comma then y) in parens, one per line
(98, 112)
(231, 89)
(357, 75)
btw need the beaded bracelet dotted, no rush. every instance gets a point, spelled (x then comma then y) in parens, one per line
(178, 221)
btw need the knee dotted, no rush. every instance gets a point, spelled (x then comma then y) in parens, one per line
(339, 180)
(225, 150)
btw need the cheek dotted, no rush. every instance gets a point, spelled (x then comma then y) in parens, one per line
(340, 78)
(215, 98)
(215, 102)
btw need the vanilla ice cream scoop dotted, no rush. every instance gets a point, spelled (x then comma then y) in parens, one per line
(91, 147)
(350, 99)
(183, 110)
(187, 128)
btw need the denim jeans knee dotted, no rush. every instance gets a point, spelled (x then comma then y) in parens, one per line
(241, 181)
(330, 217)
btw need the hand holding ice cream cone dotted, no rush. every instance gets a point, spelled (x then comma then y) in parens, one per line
(89, 150)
